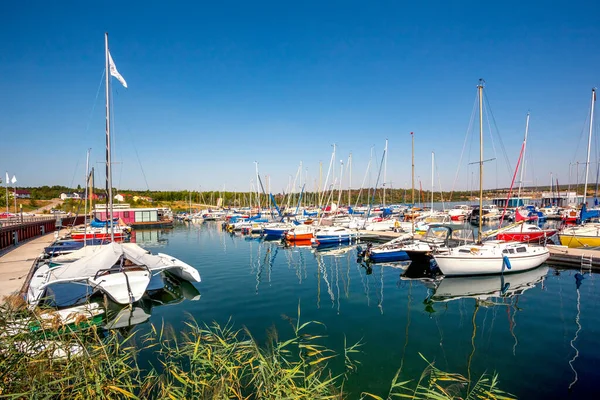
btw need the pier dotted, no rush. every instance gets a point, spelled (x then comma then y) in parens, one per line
(15, 265)
(581, 257)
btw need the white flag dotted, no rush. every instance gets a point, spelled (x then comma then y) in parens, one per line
(114, 72)
(13, 180)
(7, 178)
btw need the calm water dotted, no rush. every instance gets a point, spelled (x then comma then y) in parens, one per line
(541, 337)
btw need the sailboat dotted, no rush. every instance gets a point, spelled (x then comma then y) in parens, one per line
(491, 257)
(122, 272)
(586, 234)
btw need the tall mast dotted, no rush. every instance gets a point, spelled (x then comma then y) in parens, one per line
(340, 191)
(108, 155)
(412, 226)
(524, 150)
(257, 186)
(85, 213)
(480, 90)
(413, 168)
(385, 170)
(432, 178)
(350, 180)
(587, 164)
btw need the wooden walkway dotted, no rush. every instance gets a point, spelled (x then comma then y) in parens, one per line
(16, 264)
(581, 257)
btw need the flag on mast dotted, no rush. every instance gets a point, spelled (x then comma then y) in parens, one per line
(13, 180)
(114, 72)
(7, 178)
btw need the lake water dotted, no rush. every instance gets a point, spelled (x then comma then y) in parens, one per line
(540, 335)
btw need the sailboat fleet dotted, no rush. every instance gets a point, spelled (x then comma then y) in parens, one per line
(513, 248)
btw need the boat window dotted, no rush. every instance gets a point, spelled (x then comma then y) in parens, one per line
(511, 251)
(505, 251)
(464, 251)
(521, 250)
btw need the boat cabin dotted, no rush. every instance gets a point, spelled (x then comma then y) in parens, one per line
(134, 217)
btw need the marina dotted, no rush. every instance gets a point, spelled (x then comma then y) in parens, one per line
(299, 201)
(468, 324)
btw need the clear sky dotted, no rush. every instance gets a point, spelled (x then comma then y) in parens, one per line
(215, 86)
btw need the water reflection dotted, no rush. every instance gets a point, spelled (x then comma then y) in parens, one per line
(578, 281)
(150, 237)
(484, 288)
(171, 291)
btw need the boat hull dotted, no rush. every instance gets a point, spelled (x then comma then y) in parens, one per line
(97, 235)
(575, 241)
(293, 237)
(383, 256)
(333, 239)
(525, 237)
(123, 287)
(464, 265)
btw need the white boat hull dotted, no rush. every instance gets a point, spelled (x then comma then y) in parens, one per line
(123, 287)
(457, 263)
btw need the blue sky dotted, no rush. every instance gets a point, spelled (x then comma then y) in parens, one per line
(215, 86)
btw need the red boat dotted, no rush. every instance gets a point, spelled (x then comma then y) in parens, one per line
(526, 233)
(570, 216)
(101, 233)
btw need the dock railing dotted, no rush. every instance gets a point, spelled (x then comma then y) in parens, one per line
(16, 230)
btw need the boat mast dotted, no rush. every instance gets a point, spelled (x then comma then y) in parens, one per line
(340, 191)
(350, 180)
(87, 169)
(524, 150)
(587, 164)
(385, 170)
(432, 179)
(108, 155)
(413, 168)
(257, 187)
(480, 90)
(412, 229)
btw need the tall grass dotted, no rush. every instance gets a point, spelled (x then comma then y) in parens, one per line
(205, 362)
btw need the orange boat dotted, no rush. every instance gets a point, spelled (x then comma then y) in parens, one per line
(300, 232)
(291, 236)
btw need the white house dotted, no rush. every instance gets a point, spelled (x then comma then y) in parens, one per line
(65, 196)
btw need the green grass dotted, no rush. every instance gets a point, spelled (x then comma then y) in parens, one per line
(202, 362)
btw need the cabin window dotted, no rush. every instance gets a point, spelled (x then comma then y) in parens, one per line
(505, 251)
(521, 250)
(464, 251)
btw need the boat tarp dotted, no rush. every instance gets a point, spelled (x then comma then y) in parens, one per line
(105, 257)
(96, 223)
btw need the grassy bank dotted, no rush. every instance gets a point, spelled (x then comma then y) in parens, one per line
(208, 362)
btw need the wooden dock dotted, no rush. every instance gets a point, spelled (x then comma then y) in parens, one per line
(587, 258)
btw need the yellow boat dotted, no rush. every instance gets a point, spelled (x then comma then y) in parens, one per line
(587, 235)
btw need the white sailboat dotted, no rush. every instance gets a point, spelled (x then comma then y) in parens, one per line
(491, 257)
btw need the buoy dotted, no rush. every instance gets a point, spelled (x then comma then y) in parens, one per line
(506, 262)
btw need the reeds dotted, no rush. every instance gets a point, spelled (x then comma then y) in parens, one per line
(203, 362)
